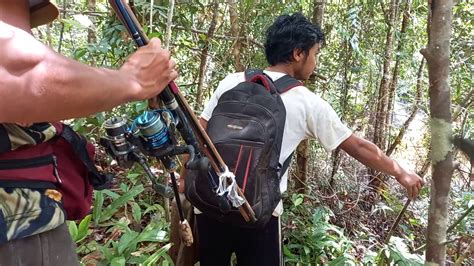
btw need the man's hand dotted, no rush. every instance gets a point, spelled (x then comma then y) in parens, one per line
(151, 68)
(369, 154)
(412, 182)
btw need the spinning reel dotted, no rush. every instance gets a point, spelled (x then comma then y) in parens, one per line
(152, 134)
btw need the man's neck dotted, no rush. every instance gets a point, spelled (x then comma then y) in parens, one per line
(16, 13)
(282, 68)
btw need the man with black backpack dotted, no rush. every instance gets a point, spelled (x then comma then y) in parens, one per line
(46, 169)
(256, 120)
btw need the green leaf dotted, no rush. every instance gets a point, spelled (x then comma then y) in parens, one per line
(124, 187)
(298, 201)
(111, 194)
(338, 261)
(155, 235)
(116, 204)
(117, 261)
(72, 229)
(306, 250)
(97, 210)
(132, 175)
(154, 208)
(153, 259)
(107, 254)
(136, 212)
(79, 53)
(128, 240)
(288, 253)
(167, 260)
(83, 228)
(141, 106)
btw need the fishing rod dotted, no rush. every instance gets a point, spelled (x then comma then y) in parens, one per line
(153, 132)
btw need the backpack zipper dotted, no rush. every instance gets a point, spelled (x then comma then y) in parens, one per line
(32, 163)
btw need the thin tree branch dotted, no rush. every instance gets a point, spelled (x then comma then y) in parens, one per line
(465, 104)
(205, 52)
(466, 213)
(467, 254)
(61, 34)
(225, 37)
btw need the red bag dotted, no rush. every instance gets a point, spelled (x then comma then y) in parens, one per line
(63, 163)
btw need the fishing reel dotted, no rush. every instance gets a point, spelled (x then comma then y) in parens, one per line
(152, 134)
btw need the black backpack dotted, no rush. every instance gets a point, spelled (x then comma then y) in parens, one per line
(247, 129)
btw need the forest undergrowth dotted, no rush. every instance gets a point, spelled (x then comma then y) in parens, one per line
(342, 224)
(347, 223)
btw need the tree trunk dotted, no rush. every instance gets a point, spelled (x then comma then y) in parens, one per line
(91, 37)
(413, 112)
(379, 138)
(49, 38)
(169, 23)
(383, 93)
(61, 33)
(396, 68)
(204, 55)
(234, 32)
(344, 100)
(437, 58)
(318, 12)
(302, 155)
(302, 152)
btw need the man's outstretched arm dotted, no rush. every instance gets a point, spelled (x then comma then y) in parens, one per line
(40, 85)
(370, 155)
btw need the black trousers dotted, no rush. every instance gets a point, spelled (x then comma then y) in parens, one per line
(259, 247)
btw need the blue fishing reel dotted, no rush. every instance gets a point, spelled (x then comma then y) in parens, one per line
(151, 134)
(154, 128)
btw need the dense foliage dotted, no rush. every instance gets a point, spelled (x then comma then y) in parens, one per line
(338, 220)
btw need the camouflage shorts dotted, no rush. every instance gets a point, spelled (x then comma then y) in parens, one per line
(26, 212)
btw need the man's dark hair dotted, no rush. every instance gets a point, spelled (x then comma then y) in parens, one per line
(290, 32)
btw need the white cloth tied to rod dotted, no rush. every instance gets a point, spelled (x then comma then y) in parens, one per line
(230, 189)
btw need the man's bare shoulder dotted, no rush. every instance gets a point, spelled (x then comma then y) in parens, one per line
(6, 31)
(19, 47)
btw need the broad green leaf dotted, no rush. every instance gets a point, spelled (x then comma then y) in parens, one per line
(116, 204)
(72, 229)
(128, 240)
(97, 210)
(136, 212)
(83, 228)
(153, 259)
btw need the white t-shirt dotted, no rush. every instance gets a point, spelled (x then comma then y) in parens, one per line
(307, 116)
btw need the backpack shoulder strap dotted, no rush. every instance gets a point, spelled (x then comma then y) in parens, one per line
(78, 143)
(258, 76)
(286, 83)
(252, 72)
(286, 164)
(5, 143)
